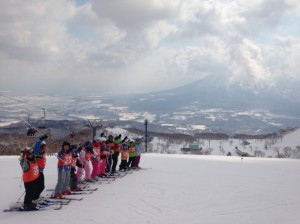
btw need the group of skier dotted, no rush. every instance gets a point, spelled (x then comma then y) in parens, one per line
(87, 162)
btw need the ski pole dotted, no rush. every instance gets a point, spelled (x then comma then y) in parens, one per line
(20, 196)
(23, 166)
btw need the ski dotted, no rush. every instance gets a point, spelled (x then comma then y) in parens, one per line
(87, 189)
(82, 189)
(54, 206)
(66, 199)
(63, 202)
(117, 175)
(80, 192)
(140, 168)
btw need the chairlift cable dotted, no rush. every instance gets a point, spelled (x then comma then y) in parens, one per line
(20, 101)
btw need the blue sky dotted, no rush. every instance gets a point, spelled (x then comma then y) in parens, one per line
(100, 46)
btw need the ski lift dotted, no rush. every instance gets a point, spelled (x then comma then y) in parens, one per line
(31, 131)
(72, 134)
(41, 122)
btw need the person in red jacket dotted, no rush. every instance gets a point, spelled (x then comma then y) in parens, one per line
(104, 155)
(30, 178)
(116, 151)
(39, 150)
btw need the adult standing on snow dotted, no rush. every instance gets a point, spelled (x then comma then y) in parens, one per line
(138, 152)
(116, 152)
(139, 149)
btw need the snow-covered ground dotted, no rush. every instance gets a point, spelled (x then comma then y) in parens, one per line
(177, 189)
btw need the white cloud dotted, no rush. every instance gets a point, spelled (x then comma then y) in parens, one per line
(154, 44)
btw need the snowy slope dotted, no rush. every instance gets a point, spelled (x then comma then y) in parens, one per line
(178, 189)
(222, 147)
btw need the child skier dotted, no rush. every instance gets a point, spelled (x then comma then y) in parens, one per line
(79, 164)
(73, 177)
(110, 145)
(124, 157)
(96, 158)
(40, 156)
(30, 178)
(131, 151)
(64, 169)
(104, 157)
(85, 156)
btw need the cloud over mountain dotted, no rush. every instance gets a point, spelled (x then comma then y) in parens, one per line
(150, 46)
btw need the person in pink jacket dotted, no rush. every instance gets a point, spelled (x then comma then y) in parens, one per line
(96, 158)
(84, 158)
(88, 154)
(105, 152)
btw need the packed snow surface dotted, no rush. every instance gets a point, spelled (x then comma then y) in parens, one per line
(177, 189)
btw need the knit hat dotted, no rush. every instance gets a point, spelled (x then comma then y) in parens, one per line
(66, 143)
(97, 138)
(27, 151)
(102, 139)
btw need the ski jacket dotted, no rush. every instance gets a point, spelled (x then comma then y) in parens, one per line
(117, 143)
(138, 149)
(33, 172)
(131, 151)
(104, 152)
(41, 162)
(74, 159)
(124, 154)
(88, 156)
(64, 160)
(116, 147)
(97, 154)
(39, 154)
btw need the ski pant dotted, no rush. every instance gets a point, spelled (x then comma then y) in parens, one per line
(108, 164)
(87, 170)
(79, 173)
(73, 179)
(102, 166)
(123, 165)
(40, 186)
(63, 181)
(96, 168)
(114, 157)
(136, 161)
(30, 189)
(130, 162)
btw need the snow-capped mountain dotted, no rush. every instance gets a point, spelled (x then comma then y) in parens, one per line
(217, 91)
(217, 103)
(214, 103)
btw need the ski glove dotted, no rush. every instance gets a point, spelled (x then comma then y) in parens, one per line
(24, 164)
(43, 137)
